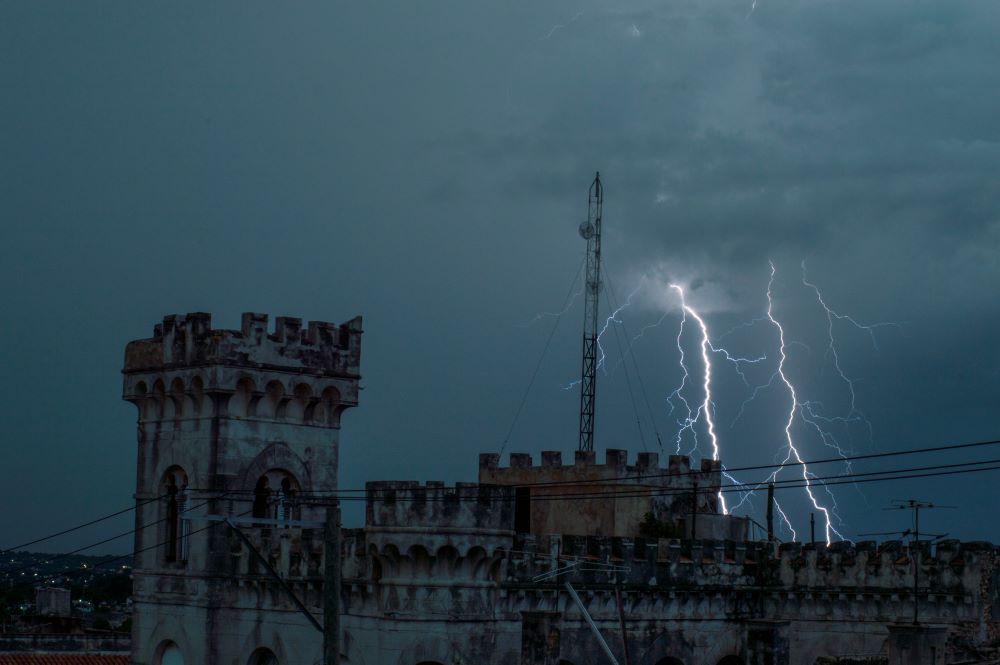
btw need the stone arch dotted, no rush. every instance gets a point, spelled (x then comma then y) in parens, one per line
(168, 653)
(420, 561)
(272, 403)
(495, 573)
(178, 399)
(390, 558)
(173, 492)
(277, 495)
(299, 408)
(200, 402)
(158, 395)
(143, 401)
(263, 656)
(243, 401)
(327, 411)
(445, 561)
(475, 562)
(277, 456)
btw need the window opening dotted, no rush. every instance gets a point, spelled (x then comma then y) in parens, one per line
(261, 498)
(522, 509)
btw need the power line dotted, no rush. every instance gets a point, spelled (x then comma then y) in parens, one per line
(63, 555)
(639, 491)
(797, 483)
(694, 472)
(893, 475)
(132, 554)
(79, 526)
(538, 365)
(621, 352)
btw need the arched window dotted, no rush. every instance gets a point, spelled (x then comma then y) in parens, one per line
(262, 497)
(169, 654)
(263, 656)
(276, 496)
(173, 489)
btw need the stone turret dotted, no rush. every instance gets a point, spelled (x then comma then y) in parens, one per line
(242, 424)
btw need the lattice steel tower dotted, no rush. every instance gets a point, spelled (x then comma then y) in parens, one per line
(591, 231)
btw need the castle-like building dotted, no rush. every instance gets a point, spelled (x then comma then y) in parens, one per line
(627, 561)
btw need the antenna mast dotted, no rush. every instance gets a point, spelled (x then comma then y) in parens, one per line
(591, 231)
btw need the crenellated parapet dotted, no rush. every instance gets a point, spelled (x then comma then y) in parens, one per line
(185, 340)
(405, 513)
(647, 471)
(301, 375)
(613, 497)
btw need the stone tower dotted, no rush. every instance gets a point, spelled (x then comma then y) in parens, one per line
(241, 424)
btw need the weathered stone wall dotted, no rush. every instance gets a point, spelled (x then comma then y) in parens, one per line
(696, 601)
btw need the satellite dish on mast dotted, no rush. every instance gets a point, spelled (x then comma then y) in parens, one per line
(587, 230)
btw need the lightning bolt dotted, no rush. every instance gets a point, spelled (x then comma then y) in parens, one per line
(707, 346)
(544, 315)
(614, 319)
(560, 26)
(793, 451)
(707, 407)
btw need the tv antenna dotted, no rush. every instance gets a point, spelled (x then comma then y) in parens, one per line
(915, 506)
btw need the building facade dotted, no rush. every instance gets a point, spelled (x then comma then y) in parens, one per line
(244, 425)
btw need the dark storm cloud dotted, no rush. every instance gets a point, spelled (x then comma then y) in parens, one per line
(426, 165)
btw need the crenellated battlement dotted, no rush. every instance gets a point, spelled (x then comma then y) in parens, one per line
(320, 347)
(952, 567)
(465, 506)
(645, 471)
(295, 375)
(612, 498)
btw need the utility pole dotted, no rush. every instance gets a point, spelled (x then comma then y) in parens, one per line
(590, 230)
(694, 511)
(812, 528)
(770, 512)
(331, 585)
(915, 506)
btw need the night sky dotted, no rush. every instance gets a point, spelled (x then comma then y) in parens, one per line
(426, 164)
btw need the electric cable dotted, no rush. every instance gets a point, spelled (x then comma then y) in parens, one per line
(694, 472)
(79, 526)
(647, 491)
(538, 365)
(621, 352)
(63, 555)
